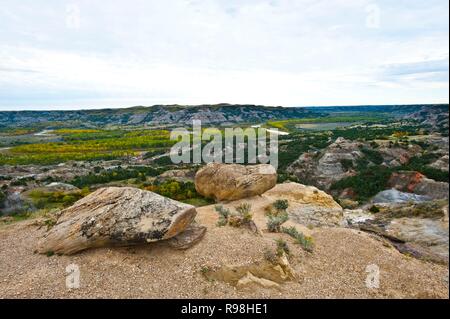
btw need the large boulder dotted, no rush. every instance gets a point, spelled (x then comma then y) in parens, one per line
(308, 205)
(233, 181)
(116, 216)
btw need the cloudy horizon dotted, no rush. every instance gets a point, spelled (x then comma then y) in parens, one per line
(84, 54)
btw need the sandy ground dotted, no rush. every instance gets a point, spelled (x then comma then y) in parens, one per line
(336, 268)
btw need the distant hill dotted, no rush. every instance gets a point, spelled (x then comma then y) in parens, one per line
(176, 114)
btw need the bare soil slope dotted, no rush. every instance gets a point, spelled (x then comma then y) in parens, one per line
(336, 268)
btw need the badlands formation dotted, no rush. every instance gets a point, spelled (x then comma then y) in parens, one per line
(129, 243)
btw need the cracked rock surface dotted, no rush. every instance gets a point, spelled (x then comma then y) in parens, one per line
(116, 216)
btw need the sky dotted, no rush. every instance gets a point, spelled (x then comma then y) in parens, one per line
(57, 54)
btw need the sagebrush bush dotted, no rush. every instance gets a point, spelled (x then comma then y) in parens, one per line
(224, 215)
(274, 222)
(281, 205)
(282, 247)
(277, 218)
(304, 241)
(242, 216)
(244, 211)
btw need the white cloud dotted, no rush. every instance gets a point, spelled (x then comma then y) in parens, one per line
(120, 53)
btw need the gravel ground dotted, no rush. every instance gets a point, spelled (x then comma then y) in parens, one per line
(336, 268)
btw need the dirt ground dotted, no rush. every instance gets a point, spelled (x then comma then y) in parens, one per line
(335, 269)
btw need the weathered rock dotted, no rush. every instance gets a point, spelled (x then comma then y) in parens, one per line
(441, 163)
(405, 181)
(61, 187)
(181, 175)
(394, 196)
(308, 205)
(392, 156)
(415, 182)
(428, 233)
(424, 251)
(188, 238)
(429, 209)
(356, 216)
(116, 216)
(249, 280)
(263, 273)
(432, 188)
(348, 203)
(233, 181)
(323, 168)
(417, 229)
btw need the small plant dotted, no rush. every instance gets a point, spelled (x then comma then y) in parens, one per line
(281, 205)
(224, 215)
(274, 222)
(304, 241)
(374, 209)
(205, 270)
(282, 247)
(346, 164)
(241, 217)
(244, 212)
(270, 256)
(206, 273)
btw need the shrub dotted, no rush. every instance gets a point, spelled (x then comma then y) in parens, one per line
(373, 156)
(346, 164)
(281, 205)
(178, 190)
(374, 209)
(242, 217)
(282, 247)
(305, 242)
(42, 199)
(270, 256)
(244, 212)
(19, 182)
(2, 198)
(377, 175)
(274, 222)
(224, 215)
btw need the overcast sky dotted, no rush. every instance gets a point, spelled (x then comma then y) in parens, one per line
(94, 53)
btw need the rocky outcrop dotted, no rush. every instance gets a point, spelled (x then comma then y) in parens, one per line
(307, 204)
(405, 181)
(393, 196)
(415, 229)
(61, 187)
(116, 216)
(441, 163)
(233, 181)
(396, 156)
(180, 175)
(322, 169)
(414, 182)
(430, 233)
(433, 189)
(264, 273)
